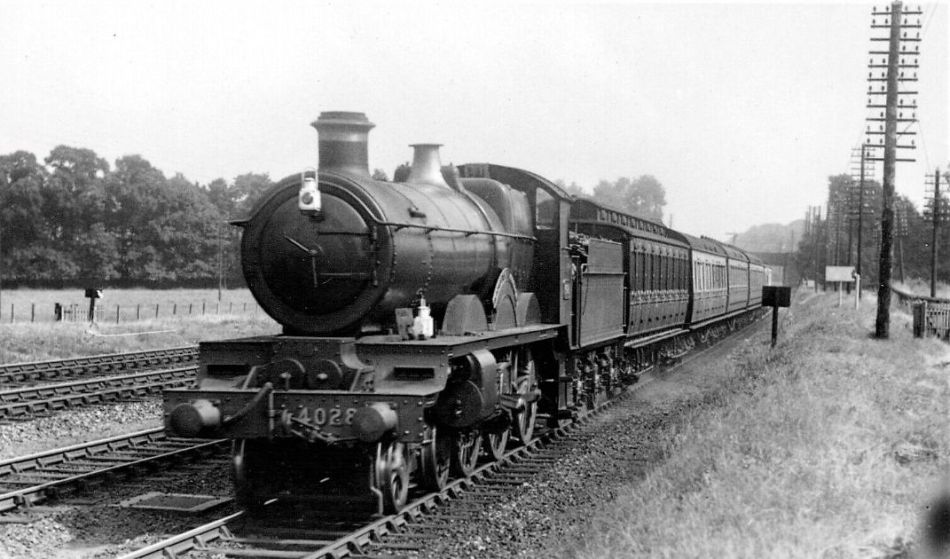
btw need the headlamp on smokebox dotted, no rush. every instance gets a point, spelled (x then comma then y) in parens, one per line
(308, 199)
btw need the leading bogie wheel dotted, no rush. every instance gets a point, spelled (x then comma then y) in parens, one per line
(246, 492)
(391, 475)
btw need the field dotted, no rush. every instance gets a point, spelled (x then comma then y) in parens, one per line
(831, 445)
(185, 317)
(36, 305)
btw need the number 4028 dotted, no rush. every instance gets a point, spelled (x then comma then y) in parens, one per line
(323, 416)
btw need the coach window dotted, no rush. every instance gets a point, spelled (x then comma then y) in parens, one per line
(641, 270)
(661, 260)
(668, 266)
(668, 270)
(649, 268)
(655, 267)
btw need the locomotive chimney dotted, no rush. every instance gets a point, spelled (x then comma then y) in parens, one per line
(343, 142)
(426, 165)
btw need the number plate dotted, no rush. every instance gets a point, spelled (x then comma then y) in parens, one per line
(325, 417)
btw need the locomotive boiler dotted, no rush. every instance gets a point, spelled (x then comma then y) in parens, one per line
(430, 321)
(341, 258)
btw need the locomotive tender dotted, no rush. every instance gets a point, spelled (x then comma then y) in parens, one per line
(434, 319)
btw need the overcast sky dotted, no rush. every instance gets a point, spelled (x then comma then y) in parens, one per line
(741, 111)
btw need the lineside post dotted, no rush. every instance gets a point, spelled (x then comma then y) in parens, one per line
(776, 296)
(774, 325)
(93, 294)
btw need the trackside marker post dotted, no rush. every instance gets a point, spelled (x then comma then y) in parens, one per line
(776, 296)
(93, 294)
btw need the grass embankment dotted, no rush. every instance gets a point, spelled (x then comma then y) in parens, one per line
(25, 341)
(830, 445)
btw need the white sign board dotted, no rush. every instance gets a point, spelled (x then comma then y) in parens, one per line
(839, 273)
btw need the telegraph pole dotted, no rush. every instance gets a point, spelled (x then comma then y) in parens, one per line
(933, 245)
(816, 232)
(859, 200)
(900, 231)
(937, 210)
(220, 263)
(1, 268)
(895, 20)
(861, 209)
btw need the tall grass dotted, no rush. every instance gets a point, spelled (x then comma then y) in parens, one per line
(830, 445)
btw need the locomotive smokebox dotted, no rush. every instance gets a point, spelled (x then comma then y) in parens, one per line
(343, 142)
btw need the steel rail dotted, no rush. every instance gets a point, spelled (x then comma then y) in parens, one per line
(20, 373)
(25, 402)
(196, 538)
(30, 480)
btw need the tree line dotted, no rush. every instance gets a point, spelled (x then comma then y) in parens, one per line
(834, 239)
(72, 219)
(643, 196)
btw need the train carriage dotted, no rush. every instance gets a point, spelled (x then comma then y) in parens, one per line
(737, 267)
(655, 259)
(709, 281)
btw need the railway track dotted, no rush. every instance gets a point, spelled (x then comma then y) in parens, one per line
(17, 374)
(329, 534)
(33, 479)
(27, 402)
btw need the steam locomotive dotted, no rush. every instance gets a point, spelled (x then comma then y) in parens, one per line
(432, 321)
